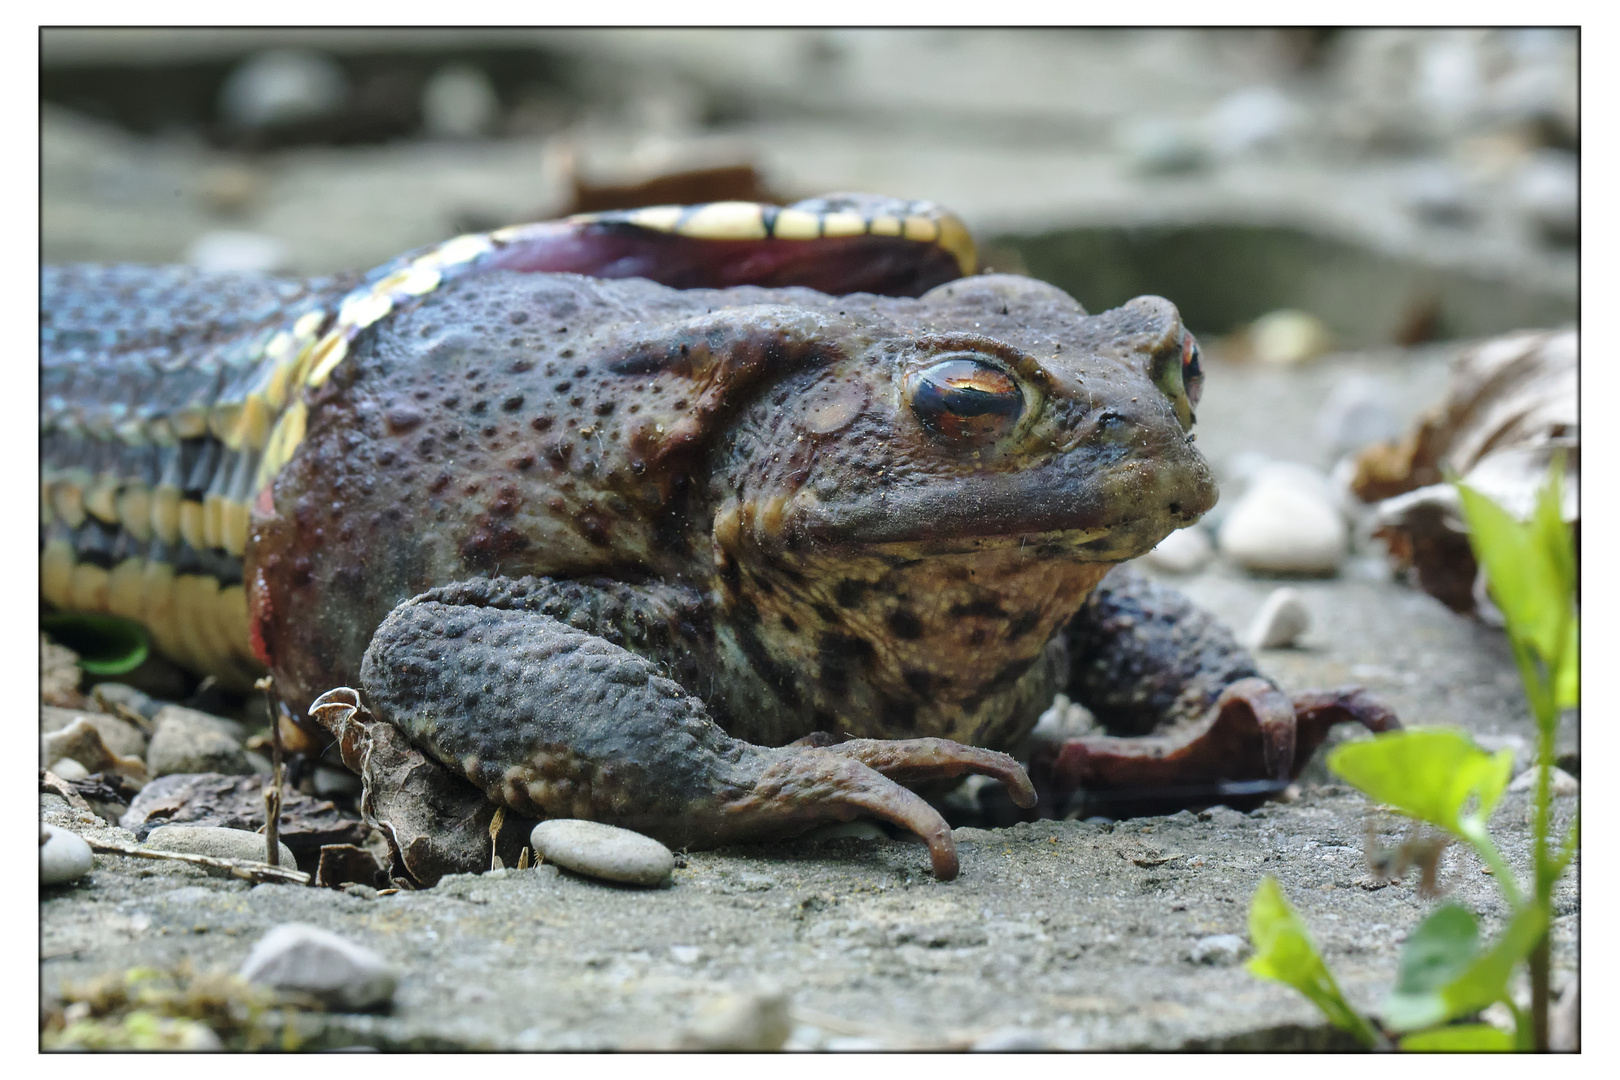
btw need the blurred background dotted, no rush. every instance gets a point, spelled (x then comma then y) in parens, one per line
(1295, 192)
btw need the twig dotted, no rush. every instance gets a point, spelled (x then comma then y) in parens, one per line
(272, 793)
(242, 868)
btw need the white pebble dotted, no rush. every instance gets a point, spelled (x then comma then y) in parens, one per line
(63, 857)
(1280, 621)
(603, 851)
(1560, 783)
(1285, 525)
(305, 959)
(68, 769)
(1217, 950)
(1184, 551)
(758, 1020)
(233, 250)
(1358, 413)
(459, 102)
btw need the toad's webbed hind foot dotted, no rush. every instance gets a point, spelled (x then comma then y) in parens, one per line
(1190, 719)
(555, 721)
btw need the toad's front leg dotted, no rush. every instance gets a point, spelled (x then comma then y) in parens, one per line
(557, 721)
(1188, 715)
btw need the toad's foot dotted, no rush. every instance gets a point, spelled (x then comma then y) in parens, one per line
(1249, 744)
(554, 721)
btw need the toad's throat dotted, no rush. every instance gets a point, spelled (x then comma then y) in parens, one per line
(949, 643)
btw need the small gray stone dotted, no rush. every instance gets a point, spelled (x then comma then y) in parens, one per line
(120, 736)
(1155, 144)
(188, 741)
(331, 782)
(64, 856)
(1218, 950)
(299, 958)
(603, 851)
(220, 843)
(1280, 622)
(1185, 551)
(1358, 412)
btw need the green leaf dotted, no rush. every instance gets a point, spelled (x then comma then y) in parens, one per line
(1482, 982)
(1283, 952)
(1438, 951)
(1463, 1037)
(106, 644)
(1567, 681)
(1426, 773)
(1530, 565)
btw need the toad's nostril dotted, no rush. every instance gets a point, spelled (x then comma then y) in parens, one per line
(1175, 508)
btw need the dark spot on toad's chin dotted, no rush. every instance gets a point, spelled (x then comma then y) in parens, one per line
(918, 680)
(979, 609)
(848, 593)
(899, 715)
(903, 624)
(1023, 624)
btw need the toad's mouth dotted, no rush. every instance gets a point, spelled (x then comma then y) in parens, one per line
(1102, 512)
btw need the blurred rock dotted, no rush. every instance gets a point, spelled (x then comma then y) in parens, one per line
(1289, 337)
(68, 769)
(120, 736)
(1010, 1040)
(1158, 145)
(1253, 118)
(1280, 622)
(1218, 950)
(186, 742)
(459, 102)
(752, 1022)
(1285, 523)
(282, 86)
(229, 188)
(59, 675)
(1560, 783)
(1438, 192)
(1547, 190)
(1357, 413)
(1185, 551)
(229, 250)
(603, 851)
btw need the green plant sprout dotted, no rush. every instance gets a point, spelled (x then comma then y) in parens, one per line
(1441, 777)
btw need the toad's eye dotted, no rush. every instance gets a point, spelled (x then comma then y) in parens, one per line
(1192, 370)
(965, 399)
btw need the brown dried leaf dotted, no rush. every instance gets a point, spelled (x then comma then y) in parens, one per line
(435, 823)
(343, 864)
(1511, 407)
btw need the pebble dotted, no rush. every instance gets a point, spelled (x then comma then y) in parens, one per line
(188, 741)
(232, 250)
(685, 954)
(282, 86)
(1250, 119)
(63, 857)
(331, 781)
(1560, 783)
(758, 1021)
(1285, 524)
(459, 102)
(1157, 145)
(301, 958)
(1185, 551)
(1358, 413)
(1010, 1040)
(1218, 950)
(120, 736)
(1289, 337)
(1282, 619)
(603, 851)
(68, 769)
(1438, 192)
(218, 842)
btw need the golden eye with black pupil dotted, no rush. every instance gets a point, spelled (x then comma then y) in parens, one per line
(965, 399)
(1192, 369)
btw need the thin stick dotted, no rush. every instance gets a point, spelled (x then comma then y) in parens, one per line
(242, 868)
(272, 793)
